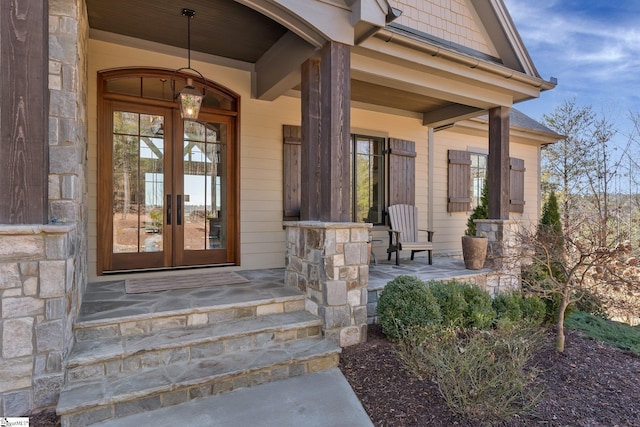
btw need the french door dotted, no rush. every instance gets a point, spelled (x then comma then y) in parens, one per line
(166, 188)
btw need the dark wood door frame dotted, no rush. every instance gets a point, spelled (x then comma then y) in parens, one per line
(106, 101)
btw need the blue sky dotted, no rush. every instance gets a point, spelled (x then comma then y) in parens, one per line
(591, 46)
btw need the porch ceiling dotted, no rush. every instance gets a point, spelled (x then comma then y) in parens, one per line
(229, 29)
(371, 93)
(220, 27)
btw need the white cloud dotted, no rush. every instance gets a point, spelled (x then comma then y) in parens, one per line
(595, 54)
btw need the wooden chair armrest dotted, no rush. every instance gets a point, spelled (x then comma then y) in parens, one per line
(429, 234)
(393, 233)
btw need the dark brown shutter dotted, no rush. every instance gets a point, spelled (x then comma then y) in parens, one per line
(459, 181)
(292, 138)
(516, 178)
(402, 172)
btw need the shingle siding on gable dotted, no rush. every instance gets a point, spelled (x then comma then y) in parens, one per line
(449, 20)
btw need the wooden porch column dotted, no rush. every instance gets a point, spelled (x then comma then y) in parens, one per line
(335, 83)
(498, 163)
(310, 161)
(326, 123)
(24, 111)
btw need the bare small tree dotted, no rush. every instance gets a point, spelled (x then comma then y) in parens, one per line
(569, 270)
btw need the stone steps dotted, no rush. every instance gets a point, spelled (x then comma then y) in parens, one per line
(96, 358)
(136, 353)
(126, 393)
(144, 323)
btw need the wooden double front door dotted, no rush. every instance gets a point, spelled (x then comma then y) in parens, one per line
(166, 195)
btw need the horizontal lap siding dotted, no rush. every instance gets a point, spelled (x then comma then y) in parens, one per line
(262, 238)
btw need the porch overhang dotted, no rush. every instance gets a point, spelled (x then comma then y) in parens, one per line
(391, 70)
(441, 84)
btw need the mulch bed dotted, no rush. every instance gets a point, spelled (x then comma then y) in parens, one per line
(590, 384)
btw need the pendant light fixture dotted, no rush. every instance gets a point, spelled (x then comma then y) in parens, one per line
(189, 98)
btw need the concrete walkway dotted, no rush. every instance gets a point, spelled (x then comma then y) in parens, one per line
(323, 399)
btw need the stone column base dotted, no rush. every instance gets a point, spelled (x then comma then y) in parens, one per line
(503, 253)
(329, 263)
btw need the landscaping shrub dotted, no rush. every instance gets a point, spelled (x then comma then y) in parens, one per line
(481, 374)
(507, 306)
(480, 313)
(513, 307)
(534, 309)
(451, 300)
(462, 304)
(406, 302)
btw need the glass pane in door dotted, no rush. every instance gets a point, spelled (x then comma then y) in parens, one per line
(138, 182)
(204, 185)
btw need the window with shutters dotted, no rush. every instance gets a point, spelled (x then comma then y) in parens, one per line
(467, 174)
(382, 173)
(367, 179)
(478, 177)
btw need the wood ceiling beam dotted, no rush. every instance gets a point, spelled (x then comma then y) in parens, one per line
(449, 115)
(278, 70)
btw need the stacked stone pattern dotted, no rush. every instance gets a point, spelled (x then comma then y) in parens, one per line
(329, 263)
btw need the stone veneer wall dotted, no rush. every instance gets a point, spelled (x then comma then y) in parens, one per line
(38, 306)
(503, 253)
(43, 268)
(329, 262)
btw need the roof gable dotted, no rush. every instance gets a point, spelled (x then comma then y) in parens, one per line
(455, 23)
(480, 28)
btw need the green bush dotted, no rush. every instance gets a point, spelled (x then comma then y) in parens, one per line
(479, 312)
(406, 302)
(507, 306)
(534, 309)
(482, 374)
(462, 304)
(453, 305)
(513, 307)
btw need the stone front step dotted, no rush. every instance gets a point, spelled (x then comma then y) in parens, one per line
(97, 358)
(122, 325)
(122, 394)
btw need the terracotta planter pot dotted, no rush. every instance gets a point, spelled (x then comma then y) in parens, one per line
(474, 251)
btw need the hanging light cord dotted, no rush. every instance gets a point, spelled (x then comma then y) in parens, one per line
(189, 14)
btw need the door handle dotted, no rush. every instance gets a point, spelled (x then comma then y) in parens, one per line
(168, 209)
(179, 210)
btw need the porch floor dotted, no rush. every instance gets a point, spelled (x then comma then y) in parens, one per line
(443, 268)
(108, 300)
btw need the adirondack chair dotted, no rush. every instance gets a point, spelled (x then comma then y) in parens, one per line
(404, 232)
